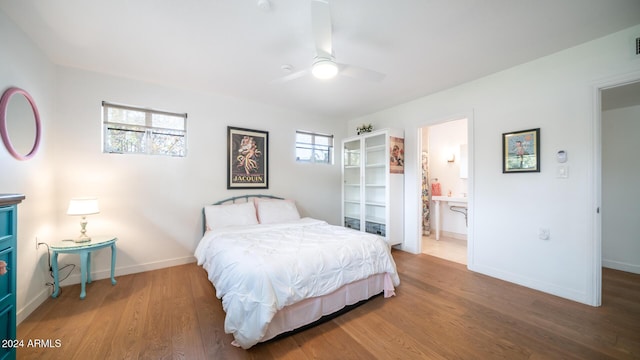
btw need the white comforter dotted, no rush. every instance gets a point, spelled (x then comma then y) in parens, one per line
(259, 269)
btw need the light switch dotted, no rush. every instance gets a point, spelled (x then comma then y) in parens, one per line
(562, 172)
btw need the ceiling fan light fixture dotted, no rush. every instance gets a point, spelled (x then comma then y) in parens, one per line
(324, 69)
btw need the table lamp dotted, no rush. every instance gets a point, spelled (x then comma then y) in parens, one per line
(83, 207)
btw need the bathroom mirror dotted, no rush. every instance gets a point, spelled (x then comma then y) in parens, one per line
(19, 123)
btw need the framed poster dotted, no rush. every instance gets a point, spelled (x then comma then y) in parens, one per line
(396, 155)
(521, 151)
(247, 159)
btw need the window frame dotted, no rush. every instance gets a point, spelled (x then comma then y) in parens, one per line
(148, 130)
(313, 146)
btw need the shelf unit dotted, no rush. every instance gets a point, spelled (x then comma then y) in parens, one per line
(372, 196)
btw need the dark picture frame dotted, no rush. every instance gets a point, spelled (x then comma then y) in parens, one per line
(521, 151)
(247, 158)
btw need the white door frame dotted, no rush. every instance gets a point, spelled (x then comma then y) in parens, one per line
(470, 180)
(596, 258)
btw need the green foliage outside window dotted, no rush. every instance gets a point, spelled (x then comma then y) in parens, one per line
(130, 130)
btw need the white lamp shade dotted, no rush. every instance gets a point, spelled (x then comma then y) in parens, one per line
(83, 206)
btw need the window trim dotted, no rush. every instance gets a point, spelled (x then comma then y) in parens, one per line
(147, 128)
(330, 148)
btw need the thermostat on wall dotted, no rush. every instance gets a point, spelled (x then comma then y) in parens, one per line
(561, 156)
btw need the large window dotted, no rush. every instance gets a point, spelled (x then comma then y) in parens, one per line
(313, 147)
(132, 130)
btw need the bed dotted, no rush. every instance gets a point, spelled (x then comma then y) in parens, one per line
(276, 272)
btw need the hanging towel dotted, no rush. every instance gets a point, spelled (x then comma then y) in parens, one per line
(435, 189)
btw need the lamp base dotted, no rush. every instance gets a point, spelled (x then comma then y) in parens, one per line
(82, 238)
(83, 232)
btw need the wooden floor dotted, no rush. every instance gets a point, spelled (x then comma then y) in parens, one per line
(441, 311)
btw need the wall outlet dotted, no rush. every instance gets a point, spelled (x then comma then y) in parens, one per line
(544, 234)
(38, 243)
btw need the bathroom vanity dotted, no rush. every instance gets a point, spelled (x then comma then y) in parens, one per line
(449, 201)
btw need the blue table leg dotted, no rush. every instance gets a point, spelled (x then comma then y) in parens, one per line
(56, 281)
(113, 263)
(83, 272)
(89, 267)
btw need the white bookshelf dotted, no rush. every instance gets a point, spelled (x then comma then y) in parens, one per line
(372, 196)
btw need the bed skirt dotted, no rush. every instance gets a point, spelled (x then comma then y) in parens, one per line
(309, 310)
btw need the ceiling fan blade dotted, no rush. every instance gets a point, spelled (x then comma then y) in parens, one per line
(321, 28)
(292, 76)
(357, 72)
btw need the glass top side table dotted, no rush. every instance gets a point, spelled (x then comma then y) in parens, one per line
(84, 249)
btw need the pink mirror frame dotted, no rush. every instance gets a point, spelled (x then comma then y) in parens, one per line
(4, 103)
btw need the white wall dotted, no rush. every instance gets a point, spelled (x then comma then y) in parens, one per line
(24, 66)
(620, 191)
(152, 203)
(554, 93)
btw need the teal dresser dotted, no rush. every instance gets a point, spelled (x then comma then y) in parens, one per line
(8, 238)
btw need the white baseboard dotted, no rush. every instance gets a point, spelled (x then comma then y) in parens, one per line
(98, 275)
(133, 269)
(549, 288)
(453, 235)
(617, 265)
(32, 305)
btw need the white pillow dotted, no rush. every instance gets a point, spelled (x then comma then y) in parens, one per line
(218, 216)
(276, 211)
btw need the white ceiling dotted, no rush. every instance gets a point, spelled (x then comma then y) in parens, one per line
(235, 48)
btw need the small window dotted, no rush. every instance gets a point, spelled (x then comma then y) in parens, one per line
(132, 130)
(314, 148)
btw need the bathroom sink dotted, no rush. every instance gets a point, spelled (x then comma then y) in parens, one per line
(452, 201)
(449, 198)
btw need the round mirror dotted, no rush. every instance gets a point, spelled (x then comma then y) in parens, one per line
(19, 123)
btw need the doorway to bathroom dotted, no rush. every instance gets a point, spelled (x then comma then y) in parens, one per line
(444, 193)
(617, 127)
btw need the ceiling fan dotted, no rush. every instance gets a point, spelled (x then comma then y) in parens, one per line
(324, 65)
